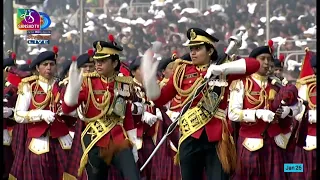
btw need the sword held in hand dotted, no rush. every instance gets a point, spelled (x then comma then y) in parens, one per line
(234, 43)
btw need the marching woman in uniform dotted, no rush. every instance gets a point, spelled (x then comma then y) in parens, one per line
(63, 81)
(84, 62)
(205, 142)
(262, 138)
(48, 136)
(305, 152)
(9, 100)
(102, 99)
(19, 132)
(164, 158)
(146, 123)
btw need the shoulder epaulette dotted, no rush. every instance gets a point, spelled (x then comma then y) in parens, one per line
(163, 82)
(64, 81)
(233, 85)
(181, 61)
(25, 81)
(30, 78)
(91, 74)
(124, 79)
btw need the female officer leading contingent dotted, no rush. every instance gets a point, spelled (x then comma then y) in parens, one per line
(204, 134)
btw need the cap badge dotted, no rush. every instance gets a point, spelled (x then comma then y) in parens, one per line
(193, 34)
(98, 47)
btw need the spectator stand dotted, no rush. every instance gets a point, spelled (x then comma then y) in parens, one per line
(139, 8)
(295, 48)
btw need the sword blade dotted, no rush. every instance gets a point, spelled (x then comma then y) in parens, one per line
(174, 124)
(154, 151)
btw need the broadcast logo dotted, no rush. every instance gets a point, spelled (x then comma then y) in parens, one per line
(30, 19)
(39, 37)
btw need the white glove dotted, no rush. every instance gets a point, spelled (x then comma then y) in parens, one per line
(74, 85)
(138, 107)
(286, 111)
(159, 114)
(48, 116)
(149, 118)
(284, 82)
(235, 67)
(149, 69)
(297, 108)
(265, 115)
(156, 46)
(312, 116)
(300, 112)
(135, 153)
(213, 70)
(7, 112)
(41, 115)
(132, 135)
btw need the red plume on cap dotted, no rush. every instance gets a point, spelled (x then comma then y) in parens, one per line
(270, 43)
(13, 56)
(90, 52)
(175, 52)
(55, 49)
(224, 49)
(73, 58)
(111, 38)
(29, 61)
(174, 55)
(281, 57)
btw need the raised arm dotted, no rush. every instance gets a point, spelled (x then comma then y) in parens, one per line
(237, 69)
(149, 69)
(149, 73)
(167, 93)
(62, 94)
(250, 66)
(72, 97)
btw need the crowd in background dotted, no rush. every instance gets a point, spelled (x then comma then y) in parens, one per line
(292, 25)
